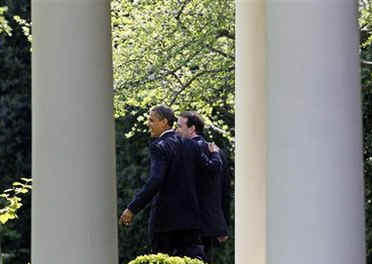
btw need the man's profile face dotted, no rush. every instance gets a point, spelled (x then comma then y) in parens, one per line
(182, 127)
(156, 125)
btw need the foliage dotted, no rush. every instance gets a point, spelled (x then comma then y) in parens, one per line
(13, 200)
(180, 53)
(132, 167)
(196, 72)
(4, 24)
(132, 172)
(15, 125)
(6, 28)
(175, 52)
(365, 22)
(15, 98)
(26, 27)
(164, 259)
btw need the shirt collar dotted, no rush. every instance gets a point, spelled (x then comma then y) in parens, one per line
(196, 136)
(165, 132)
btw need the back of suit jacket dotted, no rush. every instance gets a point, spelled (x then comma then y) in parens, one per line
(172, 184)
(210, 189)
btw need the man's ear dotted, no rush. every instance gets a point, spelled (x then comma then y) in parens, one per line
(193, 128)
(164, 122)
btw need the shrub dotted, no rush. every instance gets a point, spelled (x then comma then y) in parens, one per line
(164, 259)
(13, 201)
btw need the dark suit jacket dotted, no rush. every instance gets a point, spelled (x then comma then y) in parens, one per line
(171, 185)
(213, 193)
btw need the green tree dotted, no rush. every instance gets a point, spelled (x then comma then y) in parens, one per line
(164, 259)
(12, 202)
(182, 55)
(365, 21)
(15, 121)
(177, 52)
(4, 24)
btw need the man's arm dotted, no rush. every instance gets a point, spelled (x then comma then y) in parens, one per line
(150, 189)
(213, 163)
(226, 189)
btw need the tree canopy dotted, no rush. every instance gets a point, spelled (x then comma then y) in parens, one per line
(179, 53)
(15, 127)
(365, 22)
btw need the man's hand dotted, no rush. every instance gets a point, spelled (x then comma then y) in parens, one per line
(213, 147)
(222, 238)
(126, 217)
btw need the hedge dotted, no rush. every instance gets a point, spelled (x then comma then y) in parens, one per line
(164, 259)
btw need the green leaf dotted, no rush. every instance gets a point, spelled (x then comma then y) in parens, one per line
(27, 179)
(4, 218)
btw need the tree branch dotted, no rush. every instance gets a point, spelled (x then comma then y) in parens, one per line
(181, 10)
(193, 79)
(220, 52)
(178, 79)
(366, 62)
(225, 33)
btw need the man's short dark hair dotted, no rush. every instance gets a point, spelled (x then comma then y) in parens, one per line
(194, 119)
(166, 112)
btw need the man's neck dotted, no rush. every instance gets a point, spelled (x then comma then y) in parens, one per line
(166, 131)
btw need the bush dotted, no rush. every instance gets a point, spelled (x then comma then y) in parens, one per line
(164, 259)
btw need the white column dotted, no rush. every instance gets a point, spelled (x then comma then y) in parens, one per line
(315, 201)
(73, 162)
(250, 186)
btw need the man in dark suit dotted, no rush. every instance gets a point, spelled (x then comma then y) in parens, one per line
(174, 223)
(213, 187)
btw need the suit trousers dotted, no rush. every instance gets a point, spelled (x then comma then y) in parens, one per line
(179, 243)
(210, 244)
